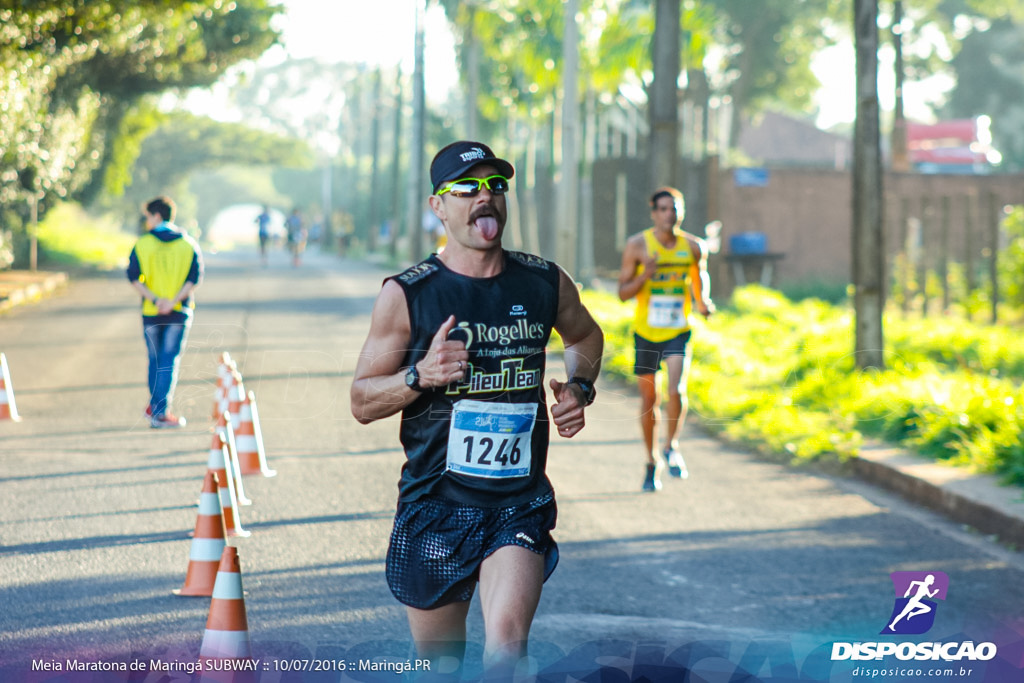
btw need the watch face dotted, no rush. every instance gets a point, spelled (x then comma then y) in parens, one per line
(412, 378)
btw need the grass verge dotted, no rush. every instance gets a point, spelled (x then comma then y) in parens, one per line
(781, 377)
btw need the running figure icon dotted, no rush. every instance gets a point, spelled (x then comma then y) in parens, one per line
(915, 606)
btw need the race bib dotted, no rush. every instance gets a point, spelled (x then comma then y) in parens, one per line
(491, 440)
(666, 311)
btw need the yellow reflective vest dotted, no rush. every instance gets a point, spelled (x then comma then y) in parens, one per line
(164, 259)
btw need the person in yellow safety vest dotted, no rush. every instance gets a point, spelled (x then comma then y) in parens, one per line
(165, 267)
(665, 269)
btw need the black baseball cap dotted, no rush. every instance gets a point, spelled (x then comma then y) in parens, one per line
(455, 159)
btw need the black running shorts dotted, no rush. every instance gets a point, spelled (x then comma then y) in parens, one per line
(437, 546)
(650, 354)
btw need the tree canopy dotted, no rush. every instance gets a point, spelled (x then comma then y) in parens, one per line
(75, 69)
(754, 52)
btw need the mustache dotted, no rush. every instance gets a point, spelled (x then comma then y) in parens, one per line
(485, 211)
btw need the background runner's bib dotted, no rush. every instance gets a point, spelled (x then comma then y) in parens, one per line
(491, 439)
(663, 303)
(666, 311)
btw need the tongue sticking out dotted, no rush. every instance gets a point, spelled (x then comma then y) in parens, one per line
(488, 226)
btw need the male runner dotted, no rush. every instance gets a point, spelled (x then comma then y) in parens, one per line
(666, 270)
(457, 344)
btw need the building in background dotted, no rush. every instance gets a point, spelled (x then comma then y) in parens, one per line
(952, 146)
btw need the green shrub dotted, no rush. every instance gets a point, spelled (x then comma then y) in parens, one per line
(780, 376)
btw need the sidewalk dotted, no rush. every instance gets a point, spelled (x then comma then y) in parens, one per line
(972, 499)
(977, 500)
(18, 287)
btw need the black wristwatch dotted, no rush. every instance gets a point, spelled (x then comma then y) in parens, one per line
(412, 378)
(589, 392)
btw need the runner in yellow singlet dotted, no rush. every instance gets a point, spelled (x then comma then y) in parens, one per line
(665, 269)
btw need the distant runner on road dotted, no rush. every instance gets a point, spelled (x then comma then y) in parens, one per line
(665, 269)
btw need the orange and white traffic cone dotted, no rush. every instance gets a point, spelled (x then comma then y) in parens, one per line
(220, 464)
(229, 380)
(227, 628)
(207, 542)
(236, 396)
(258, 435)
(224, 427)
(220, 393)
(8, 409)
(248, 451)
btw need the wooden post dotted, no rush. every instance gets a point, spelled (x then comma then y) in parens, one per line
(969, 248)
(907, 265)
(944, 256)
(993, 256)
(925, 253)
(33, 231)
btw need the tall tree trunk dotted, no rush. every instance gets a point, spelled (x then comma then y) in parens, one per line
(586, 242)
(472, 73)
(868, 264)
(664, 106)
(374, 218)
(414, 227)
(396, 169)
(568, 194)
(528, 200)
(900, 159)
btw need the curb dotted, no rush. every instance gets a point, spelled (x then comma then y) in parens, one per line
(977, 500)
(18, 287)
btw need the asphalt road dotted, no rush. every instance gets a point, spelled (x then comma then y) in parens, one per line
(747, 566)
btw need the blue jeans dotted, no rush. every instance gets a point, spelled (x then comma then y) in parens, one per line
(164, 343)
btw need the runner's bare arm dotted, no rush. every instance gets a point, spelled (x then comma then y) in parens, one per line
(634, 255)
(700, 283)
(584, 346)
(379, 389)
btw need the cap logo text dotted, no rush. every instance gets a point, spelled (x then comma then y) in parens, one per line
(474, 153)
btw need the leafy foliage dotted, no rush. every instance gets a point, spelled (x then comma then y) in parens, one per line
(74, 71)
(767, 48)
(990, 81)
(780, 376)
(185, 143)
(761, 50)
(1011, 258)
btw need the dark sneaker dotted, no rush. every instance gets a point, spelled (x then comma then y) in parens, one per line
(676, 464)
(166, 421)
(651, 481)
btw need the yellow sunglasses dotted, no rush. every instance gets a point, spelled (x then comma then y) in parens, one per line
(470, 187)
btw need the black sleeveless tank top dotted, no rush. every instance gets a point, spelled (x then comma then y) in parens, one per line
(498, 441)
